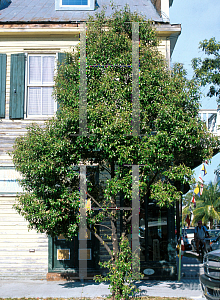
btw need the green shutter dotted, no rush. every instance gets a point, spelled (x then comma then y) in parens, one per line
(2, 84)
(17, 86)
(61, 59)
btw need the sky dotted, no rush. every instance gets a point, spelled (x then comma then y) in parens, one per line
(199, 19)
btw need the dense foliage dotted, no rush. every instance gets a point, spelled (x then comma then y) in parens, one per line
(172, 137)
(207, 70)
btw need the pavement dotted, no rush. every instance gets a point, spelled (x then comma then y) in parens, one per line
(192, 265)
(189, 286)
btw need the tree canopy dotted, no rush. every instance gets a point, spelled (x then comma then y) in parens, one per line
(171, 139)
(207, 70)
(207, 205)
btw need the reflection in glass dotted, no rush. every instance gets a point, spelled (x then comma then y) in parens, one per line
(157, 233)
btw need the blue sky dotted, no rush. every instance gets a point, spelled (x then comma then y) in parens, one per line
(200, 19)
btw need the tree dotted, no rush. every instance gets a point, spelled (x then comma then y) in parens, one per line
(208, 205)
(171, 136)
(207, 70)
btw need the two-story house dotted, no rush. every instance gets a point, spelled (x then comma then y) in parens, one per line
(33, 36)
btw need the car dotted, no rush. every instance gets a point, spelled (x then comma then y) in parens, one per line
(214, 232)
(210, 280)
(215, 243)
(213, 237)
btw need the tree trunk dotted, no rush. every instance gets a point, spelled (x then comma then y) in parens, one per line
(211, 223)
(114, 239)
(114, 225)
(113, 219)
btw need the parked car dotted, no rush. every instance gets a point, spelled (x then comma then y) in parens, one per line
(215, 243)
(210, 280)
(214, 233)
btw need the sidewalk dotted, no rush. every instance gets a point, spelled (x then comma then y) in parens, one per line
(191, 266)
(189, 288)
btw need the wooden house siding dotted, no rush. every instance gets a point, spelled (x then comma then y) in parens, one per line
(9, 131)
(164, 48)
(23, 253)
(17, 244)
(25, 42)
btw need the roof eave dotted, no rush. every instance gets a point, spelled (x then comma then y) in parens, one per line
(168, 29)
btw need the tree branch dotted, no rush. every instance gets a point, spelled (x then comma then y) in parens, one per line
(106, 212)
(152, 180)
(94, 200)
(128, 219)
(101, 241)
(106, 169)
(103, 226)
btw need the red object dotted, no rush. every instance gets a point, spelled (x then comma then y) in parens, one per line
(201, 189)
(182, 247)
(187, 220)
(194, 201)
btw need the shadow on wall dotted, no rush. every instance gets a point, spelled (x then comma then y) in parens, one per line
(4, 4)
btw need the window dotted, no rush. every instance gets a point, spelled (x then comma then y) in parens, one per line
(74, 4)
(40, 84)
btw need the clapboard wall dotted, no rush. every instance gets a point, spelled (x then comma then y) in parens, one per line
(23, 253)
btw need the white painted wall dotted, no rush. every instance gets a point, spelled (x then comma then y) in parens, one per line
(16, 243)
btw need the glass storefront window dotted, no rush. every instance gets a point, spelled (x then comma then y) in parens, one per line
(157, 241)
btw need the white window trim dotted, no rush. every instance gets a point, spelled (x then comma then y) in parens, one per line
(27, 85)
(59, 6)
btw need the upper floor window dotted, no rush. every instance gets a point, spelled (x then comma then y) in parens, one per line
(40, 101)
(74, 4)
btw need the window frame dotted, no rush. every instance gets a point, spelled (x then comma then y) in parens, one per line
(28, 85)
(60, 6)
